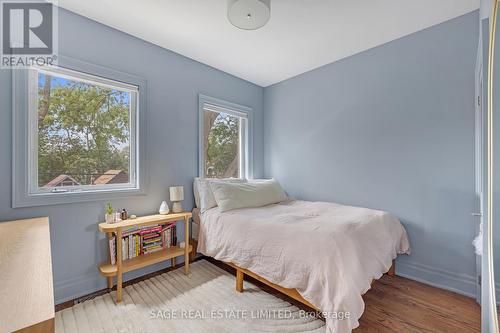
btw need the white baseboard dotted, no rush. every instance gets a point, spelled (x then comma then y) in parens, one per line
(437, 277)
(77, 287)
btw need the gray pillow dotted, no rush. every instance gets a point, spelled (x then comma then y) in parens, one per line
(203, 193)
(231, 196)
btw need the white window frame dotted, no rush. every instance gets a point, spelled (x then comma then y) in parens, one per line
(33, 132)
(244, 113)
(25, 190)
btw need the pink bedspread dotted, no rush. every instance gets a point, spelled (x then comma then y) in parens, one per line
(329, 252)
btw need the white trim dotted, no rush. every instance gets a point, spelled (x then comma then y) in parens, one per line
(207, 103)
(32, 129)
(243, 126)
(459, 283)
(478, 164)
(70, 74)
(220, 109)
(83, 285)
(134, 146)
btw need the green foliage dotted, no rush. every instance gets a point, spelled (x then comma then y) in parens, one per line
(83, 131)
(109, 208)
(223, 147)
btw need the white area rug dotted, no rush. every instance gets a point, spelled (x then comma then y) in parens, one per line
(204, 301)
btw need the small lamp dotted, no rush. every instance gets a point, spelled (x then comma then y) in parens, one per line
(176, 196)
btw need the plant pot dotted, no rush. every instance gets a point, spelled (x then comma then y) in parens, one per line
(110, 218)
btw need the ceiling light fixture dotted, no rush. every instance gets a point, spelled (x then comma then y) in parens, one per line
(249, 14)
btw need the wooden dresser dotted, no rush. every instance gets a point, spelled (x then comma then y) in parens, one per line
(26, 286)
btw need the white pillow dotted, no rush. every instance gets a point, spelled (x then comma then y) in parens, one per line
(203, 195)
(247, 195)
(196, 191)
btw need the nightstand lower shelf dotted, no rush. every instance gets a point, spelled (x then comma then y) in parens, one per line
(144, 260)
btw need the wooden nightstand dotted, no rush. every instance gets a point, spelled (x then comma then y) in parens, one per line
(108, 270)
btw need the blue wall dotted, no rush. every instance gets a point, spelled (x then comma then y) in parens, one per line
(390, 128)
(174, 82)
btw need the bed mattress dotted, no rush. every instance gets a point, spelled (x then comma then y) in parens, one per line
(329, 252)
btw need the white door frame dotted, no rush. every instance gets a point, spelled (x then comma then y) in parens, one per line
(477, 215)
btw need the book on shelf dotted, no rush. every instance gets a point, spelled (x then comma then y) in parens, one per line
(130, 231)
(112, 249)
(138, 241)
(151, 239)
(125, 248)
(174, 235)
(167, 235)
(150, 229)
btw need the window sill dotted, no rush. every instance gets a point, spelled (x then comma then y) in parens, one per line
(47, 199)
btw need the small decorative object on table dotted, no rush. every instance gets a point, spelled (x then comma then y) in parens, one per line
(176, 196)
(109, 216)
(124, 214)
(163, 208)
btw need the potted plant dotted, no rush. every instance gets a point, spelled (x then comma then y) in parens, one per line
(110, 215)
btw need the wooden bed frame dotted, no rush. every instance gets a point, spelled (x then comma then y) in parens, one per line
(293, 293)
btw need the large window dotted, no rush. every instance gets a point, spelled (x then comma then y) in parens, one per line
(224, 149)
(82, 132)
(78, 134)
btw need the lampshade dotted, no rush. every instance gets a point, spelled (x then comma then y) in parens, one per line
(176, 193)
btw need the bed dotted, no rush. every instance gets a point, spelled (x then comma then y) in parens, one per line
(322, 254)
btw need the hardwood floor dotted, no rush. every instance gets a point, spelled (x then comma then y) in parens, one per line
(396, 304)
(393, 304)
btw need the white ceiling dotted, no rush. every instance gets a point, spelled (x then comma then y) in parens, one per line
(301, 34)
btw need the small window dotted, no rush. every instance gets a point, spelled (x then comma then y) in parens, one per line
(224, 140)
(82, 133)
